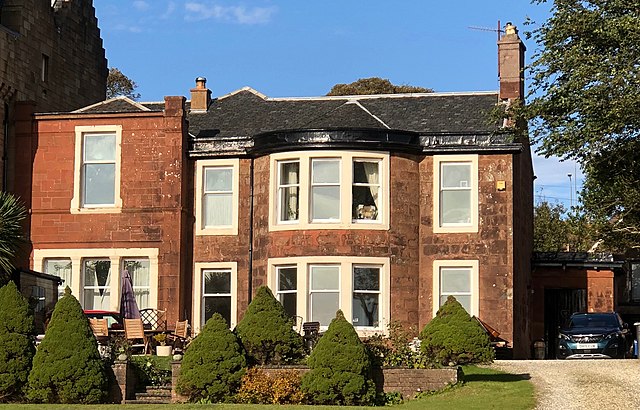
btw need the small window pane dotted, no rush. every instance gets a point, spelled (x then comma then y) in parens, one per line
(95, 299)
(217, 282)
(366, 172)
(287, 279)
(456, 207)
(99, 184)
(324, 307)
(366, 278)
(289, 173)
(96, 273)
(326, 172)
(218, 209)
(60, 268)
(289, 206)
(456, 175)
(365, 309)
(99, 148)
(455, 280)
(365, 202)
(218, 179)
(326, 202)
(325, 278)
(288, 301)
(217, 304)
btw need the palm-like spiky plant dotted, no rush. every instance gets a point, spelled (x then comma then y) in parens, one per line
(12, 213)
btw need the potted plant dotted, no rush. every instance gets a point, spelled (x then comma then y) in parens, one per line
(162, 349)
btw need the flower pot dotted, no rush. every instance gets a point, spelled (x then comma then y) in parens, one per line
(163, 350)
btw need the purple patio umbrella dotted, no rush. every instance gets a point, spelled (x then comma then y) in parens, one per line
(128, 305)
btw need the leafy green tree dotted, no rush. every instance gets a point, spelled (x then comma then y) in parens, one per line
(453, 337)
(585, 104)
(16, 342)
(375, 85)
(119, 84)
(67, 367)
(549, 228)
(12, 213)
(340, 368)
(213, 364)
(266, 331)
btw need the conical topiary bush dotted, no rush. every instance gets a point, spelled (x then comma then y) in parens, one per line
(453, 337)
(67, 367)
(340, 369)
(213, 364)
(16, 343)
(266, 331)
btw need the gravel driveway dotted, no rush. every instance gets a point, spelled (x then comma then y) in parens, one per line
(580, 384)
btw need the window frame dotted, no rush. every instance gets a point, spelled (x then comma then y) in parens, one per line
(473, 266)
(77, 201)
(123, 263)
(279, 292)
(68, 265)
(347, 265)
(198, 285)
(201, 167)
(280, 187)
(438, 225)
(368, 291)
(107, 287)
(346, 220)
(115, 255)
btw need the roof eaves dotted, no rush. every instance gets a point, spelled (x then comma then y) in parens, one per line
(123, 98)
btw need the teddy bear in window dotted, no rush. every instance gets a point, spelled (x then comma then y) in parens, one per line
(366, 212)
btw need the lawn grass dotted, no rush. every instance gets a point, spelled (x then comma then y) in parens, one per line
(483, 388)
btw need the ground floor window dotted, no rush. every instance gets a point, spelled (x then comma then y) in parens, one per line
(216, 285)
(95, 275)
(314, 288)
(60, 268)
(457, 278)
(216, 294)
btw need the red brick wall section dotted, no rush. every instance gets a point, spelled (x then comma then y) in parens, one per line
(492, 246)
(155, 208)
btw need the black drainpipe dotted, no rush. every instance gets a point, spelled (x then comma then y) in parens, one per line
(251, 232)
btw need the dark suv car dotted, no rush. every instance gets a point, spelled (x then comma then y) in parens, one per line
(594, 335)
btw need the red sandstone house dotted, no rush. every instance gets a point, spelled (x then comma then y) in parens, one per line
(381, 205)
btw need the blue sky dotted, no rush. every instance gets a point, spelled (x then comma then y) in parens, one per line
(304, 47)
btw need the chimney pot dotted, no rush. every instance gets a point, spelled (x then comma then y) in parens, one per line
(200, 96)
(201, 82)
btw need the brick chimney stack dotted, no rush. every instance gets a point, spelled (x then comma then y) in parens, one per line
(511, 51)
(200, 96)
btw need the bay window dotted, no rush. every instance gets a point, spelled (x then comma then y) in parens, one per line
(315, 287)
(329, 190)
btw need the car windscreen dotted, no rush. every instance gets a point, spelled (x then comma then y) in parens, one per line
(593, 321)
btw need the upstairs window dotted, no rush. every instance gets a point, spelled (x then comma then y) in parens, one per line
(217, 190)
(329, 190)
(455, 193)
(325, 190)
(288, 190)
(97, 169)
(218, 196)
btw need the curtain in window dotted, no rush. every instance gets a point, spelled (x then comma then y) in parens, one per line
(97, 284)
(289, 190)
(366, 189)
(140, 276)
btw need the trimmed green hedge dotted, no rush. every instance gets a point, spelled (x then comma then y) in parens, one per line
(453, 337)
(340, 368)
(67, 367)
(266, 331)
(213, 364)
(17, 330)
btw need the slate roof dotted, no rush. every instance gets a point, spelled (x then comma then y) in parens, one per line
(246, 112)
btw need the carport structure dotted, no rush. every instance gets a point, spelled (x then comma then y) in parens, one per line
(566, 282)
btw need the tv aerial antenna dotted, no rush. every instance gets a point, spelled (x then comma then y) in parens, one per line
(498, 30)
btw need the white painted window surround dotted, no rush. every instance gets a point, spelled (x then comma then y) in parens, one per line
(455, 193)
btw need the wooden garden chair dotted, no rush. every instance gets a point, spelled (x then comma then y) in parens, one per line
(180, 336)
(100, 328)
(134, 332)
